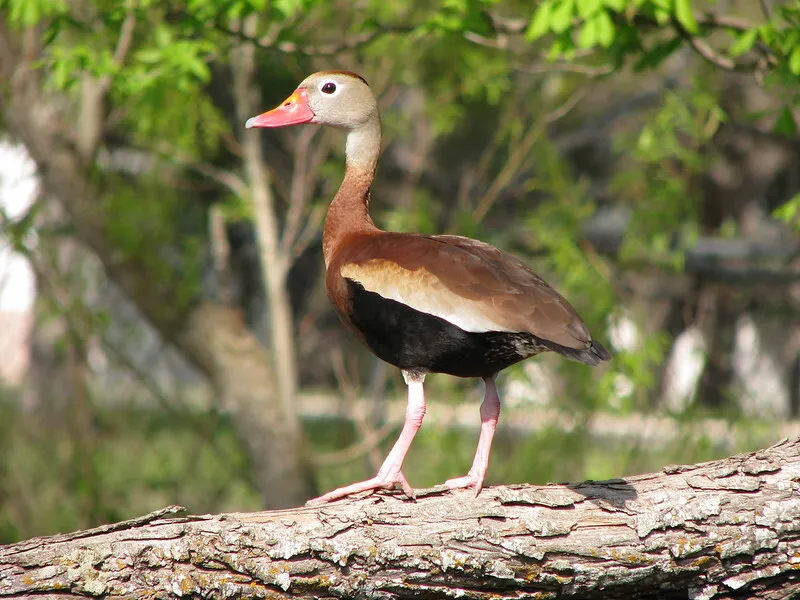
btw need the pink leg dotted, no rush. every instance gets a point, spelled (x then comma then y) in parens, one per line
(490, 412)
(390, 474)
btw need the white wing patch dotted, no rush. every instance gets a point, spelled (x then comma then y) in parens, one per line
(421, 291)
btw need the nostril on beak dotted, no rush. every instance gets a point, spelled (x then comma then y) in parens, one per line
(287, 104)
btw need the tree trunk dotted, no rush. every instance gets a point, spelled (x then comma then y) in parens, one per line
(274, 264)
(240, 371)
(724, 529)
(211, 335)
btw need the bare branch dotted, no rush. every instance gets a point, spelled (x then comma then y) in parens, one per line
(766, 9)
(351, 42)
(566, 67)
(370, 438)
(498, 43)
(568, 105)
(92, 117)
(713, 21)
(17, 54)
(513, 25)
(367, 445)
(510, 168)
(227, 179)
(221, 253)
(310, 231)
(8, 58)
(708, 53)
(125, 38)
(707, 21)
(298, 194)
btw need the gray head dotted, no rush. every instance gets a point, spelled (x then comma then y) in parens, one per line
(338, 98)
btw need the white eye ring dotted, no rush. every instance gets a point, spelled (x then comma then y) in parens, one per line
(329, 84)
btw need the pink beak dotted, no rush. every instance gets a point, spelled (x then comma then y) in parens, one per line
(293, 111)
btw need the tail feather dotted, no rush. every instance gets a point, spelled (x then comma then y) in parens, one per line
(593, 355)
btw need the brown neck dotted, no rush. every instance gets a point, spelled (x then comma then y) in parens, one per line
(349, 211)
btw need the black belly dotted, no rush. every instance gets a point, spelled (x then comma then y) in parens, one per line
(417, 341)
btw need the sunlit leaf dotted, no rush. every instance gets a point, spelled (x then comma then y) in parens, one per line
(789, 212)
(588, 34)
(616, 5)
(587, 8)
(743, 43)
(683, 13)
(540, 23)
(662, 16)
(794, 61)
(605, 29)
(562, 16)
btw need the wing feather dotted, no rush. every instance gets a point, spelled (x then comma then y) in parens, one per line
(473, 285)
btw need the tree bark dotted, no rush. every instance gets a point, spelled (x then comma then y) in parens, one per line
(723, 529)
(212, 336)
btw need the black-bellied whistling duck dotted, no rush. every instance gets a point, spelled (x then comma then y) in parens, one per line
(424, 303)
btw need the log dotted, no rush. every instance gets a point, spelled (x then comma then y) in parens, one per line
(724, 529)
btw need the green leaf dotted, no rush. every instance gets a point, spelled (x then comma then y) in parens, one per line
(61, 74)
(562, 47)
(767, 33)
(149, 55)
(743, 43)
(794, 61)
(683, 12)
(656, 55)
(31, 12)
(605, 29)
(562, 16)
(588, 8)
(24, 13)
(662, 5)
(588, 34)
(789, 212)
(540, 23)
(288, 8)
(662, 16)
(616, 5)
(785, 124)
(163, 36)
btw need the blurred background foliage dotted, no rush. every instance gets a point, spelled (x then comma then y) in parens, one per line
(641, 155)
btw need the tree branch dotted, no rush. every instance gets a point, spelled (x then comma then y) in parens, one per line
(719, 530)
(708, 53)
(92, 117)
(125, 38)
(504, 26)
(298, 194)
(227, 179)
(274, 264)
(351, 42)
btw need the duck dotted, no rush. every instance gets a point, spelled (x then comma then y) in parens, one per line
(423, 303)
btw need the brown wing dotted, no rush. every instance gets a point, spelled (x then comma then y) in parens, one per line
(469, 283)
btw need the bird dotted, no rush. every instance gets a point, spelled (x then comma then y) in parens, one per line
(423, 303)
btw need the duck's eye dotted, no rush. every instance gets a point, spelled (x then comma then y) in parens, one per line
(328, 88)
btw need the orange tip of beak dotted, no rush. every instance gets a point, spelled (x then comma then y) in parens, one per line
(293, 111)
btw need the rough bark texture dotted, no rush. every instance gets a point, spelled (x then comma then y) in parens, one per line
(723, 529)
